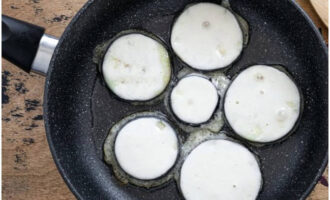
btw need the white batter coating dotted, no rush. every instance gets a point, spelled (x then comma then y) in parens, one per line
(194, 99)
(207, 36)
(220, 169)
(136, 67)
(262, 104)
(146, 148)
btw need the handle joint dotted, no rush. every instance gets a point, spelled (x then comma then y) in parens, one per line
(44, 54)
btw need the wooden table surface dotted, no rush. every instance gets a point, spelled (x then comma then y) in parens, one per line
(28, 170)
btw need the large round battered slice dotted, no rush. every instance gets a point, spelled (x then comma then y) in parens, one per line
(146, 148)
(194, 99)
(262, 104)
(220, 169)
(136, 67)
(207, 36)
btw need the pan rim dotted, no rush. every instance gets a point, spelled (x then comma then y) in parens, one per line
(325, 49)
(59, 167)
(47, 123)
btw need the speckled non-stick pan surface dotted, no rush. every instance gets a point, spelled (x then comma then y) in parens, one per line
(79, 109)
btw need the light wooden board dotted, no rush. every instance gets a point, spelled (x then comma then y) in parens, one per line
(321, 7)
(28, 170)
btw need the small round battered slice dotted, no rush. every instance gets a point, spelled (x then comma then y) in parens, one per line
(220, 169)
(136, 67)
(207, 36)
(146, 148)
(262, 104)
(194, 99)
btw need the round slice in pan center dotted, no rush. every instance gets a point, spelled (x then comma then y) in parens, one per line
(207, 36)
(146, 148)
(136, 67)
(220, 169)
(194, 99)
(262, 104)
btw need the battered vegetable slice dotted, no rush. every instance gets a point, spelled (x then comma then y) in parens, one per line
(207, 36)
(262, 104)
(194, 99)
(136, 67)
(220, 169)
(146, 148)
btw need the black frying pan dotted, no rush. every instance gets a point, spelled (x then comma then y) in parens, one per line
(79, 110)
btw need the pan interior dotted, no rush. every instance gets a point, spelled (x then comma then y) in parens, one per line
(80, 110)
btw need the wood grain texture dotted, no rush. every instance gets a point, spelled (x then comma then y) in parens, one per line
(28, 170)
(321, 7)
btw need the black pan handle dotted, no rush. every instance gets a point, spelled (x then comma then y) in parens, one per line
(26, 45)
